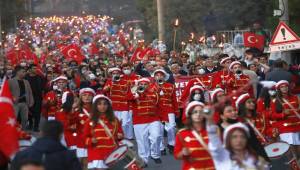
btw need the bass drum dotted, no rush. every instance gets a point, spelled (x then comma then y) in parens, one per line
(123, 158)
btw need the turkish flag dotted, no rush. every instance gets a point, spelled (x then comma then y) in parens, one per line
(73, 51)
(9, 144)
(136, 55)
(254, 40)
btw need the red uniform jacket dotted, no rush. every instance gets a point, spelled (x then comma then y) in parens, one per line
(288, 122)
(220, 78)
(131, 81)
(105, 144)
(167, 101)
(237, 86)
(200, 157)
(205, 81)
(117, 92)
(145, 107)
(51, 103)
(69, 122)
(81, 118)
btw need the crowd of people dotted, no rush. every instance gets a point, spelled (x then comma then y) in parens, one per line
(98, 86)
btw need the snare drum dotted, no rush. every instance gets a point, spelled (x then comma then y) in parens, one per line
(126, 142)
(277, 149)
(123, 158)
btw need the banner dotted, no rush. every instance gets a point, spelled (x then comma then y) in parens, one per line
(180, 84)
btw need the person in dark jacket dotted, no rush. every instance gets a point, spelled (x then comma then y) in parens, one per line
(37, 83)
(49, 151)
(278, 73)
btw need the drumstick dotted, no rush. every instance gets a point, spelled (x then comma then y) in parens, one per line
(257, 131)
(292, 107)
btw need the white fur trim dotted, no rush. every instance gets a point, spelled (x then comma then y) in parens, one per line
(215, 92)
(87, 90)
(114, 69)
(235, 126)
(233, 63)
(241, 98)
(167, 76)
(192, 105)
(64, 97)
(280, 83)
(224, 60)
(101, 96)
(196, 87)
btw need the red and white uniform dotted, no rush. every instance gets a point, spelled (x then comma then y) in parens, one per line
(69, 123)
(146, 123)
(82, 118)
(117, 91)
(220, 78)
(52, 103)
(199, 157)
(289, 124)
(237, 85)
(98, 152)
(168, 110)
(205, 81)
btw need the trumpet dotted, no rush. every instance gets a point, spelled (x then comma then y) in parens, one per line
(137, 89)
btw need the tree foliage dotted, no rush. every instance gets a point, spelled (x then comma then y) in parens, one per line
(203, 16)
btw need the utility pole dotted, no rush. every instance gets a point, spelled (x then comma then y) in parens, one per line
(160, 20)
(284, 7)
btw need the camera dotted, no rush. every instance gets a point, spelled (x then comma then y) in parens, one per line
(116, 78)
(141, 89)
(207, 111)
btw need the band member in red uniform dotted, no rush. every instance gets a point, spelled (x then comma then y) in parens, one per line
(52, 99)
(117, 89)
(131, 77)
(217, 98)
(246, 107)
(238, 83)
(196, 94)
(289, 124)
(68, 118)
(221, 77)
(264, 102)
(205, 81)
(191, 142)
(83, 114)
(146, 120)
(167, 107)
(101, 132)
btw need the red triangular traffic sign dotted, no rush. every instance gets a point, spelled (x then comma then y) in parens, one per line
(283, 35)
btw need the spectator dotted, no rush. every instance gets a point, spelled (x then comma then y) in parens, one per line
(49, 151)
(209, 66)
(36, 83)
(278, 72)
(22, 95)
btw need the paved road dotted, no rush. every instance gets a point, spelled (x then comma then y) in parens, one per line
(168, 163)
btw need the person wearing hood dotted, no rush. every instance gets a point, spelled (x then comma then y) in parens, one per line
(49, 151)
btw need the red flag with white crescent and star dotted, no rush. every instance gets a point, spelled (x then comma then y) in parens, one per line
(9, 144)
(254, 40)
(73, 51)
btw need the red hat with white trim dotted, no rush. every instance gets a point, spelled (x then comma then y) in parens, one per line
(281, 83)
(225, 59)
(233, 64)
(191, 106)
(60, 78)
(268, 84)
(161, 71)
(87, 90)
(142, 80)
(233, 127)
(215, 92)
(241, 99)
(101, 96)
(114, 69)
(196, 87)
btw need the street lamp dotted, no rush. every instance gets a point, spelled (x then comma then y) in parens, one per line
(175, 26)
